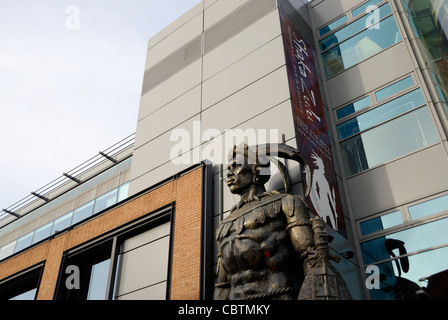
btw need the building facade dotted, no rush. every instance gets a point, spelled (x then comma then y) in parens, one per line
(359, 87)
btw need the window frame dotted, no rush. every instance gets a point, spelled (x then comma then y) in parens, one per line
(323, 51)
(408, 222)
(376, 104)
(117, 237)
(351, 19)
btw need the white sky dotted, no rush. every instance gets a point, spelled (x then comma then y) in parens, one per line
(66, 94)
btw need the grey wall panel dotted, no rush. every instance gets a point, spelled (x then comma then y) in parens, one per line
(172, 64)
(146, 237)
(175, 25)
(242, 44)
(155, 292)
(169, 90)
(169, 116)
(235, 22)
(162, 149)
(219, 9)
(326, 11)
(144, 266)
(155, 175)
(246, 103)
(174, 41)
(370, 74)
(398, 182)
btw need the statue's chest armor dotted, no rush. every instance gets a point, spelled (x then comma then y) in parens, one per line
(253, 237)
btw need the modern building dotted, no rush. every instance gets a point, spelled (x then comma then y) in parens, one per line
(359, 87)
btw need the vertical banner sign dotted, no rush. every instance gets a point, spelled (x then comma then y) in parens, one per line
(311, 129)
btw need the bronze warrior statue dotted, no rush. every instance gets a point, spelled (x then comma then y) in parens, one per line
(269, 247)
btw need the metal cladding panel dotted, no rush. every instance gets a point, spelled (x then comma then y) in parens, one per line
(235, 22)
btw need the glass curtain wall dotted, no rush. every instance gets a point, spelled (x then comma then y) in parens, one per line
(429, 22)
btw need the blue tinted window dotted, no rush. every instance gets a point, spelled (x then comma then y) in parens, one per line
(24, 242)
(380, 114)
(332, 26)
(98, 281)
(361, 9)
(422, 265)
(394, 88)
(29, 295)
(62, 223)
(42, 232)
(353, 107)
(106, 200)
(360, 47)
(353, 28)
(387, 141)
(123, 192)
(83, 212)
(415, 239)
(429, 208)
(381, 223)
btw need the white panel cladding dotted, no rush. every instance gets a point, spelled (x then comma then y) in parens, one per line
(144, 263)
(247, 41)
(169, 116)
(171, 89)
(398, 182)
(370, 74)
(245, 72)
(174, 41)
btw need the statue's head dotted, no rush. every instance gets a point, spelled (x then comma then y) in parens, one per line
(247, 169)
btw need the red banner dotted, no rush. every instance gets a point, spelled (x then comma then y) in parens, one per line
(312, 136)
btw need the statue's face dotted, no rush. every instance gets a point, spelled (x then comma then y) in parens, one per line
(239, 177)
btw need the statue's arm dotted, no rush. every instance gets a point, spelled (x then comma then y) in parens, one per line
(222, 286)
(298, 223)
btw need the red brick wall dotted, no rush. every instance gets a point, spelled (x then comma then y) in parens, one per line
(186, 192)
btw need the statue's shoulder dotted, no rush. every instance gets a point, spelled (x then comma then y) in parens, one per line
(267, 201)
(250, 214)
(291, 202)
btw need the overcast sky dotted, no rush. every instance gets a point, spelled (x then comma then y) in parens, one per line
(70, 87)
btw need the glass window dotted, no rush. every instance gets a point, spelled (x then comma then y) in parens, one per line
(24, 242)
(391, 140)
(106, 200)
(399, 285)
(62, 223)
(354, 107)
(22, 287)
(42, 232)
(93, 265)
(428, 19)
(352, 29)
(381, 114)
(123, 192)
(429, 208)
(364, 8)
(394, 88)
(98, 281)
(381, 223)
(7, 250)
(359, 47)
(29, 295)
(334, 25)
(415, 239)
(83, 212)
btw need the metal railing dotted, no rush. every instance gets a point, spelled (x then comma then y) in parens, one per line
(75, 174)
